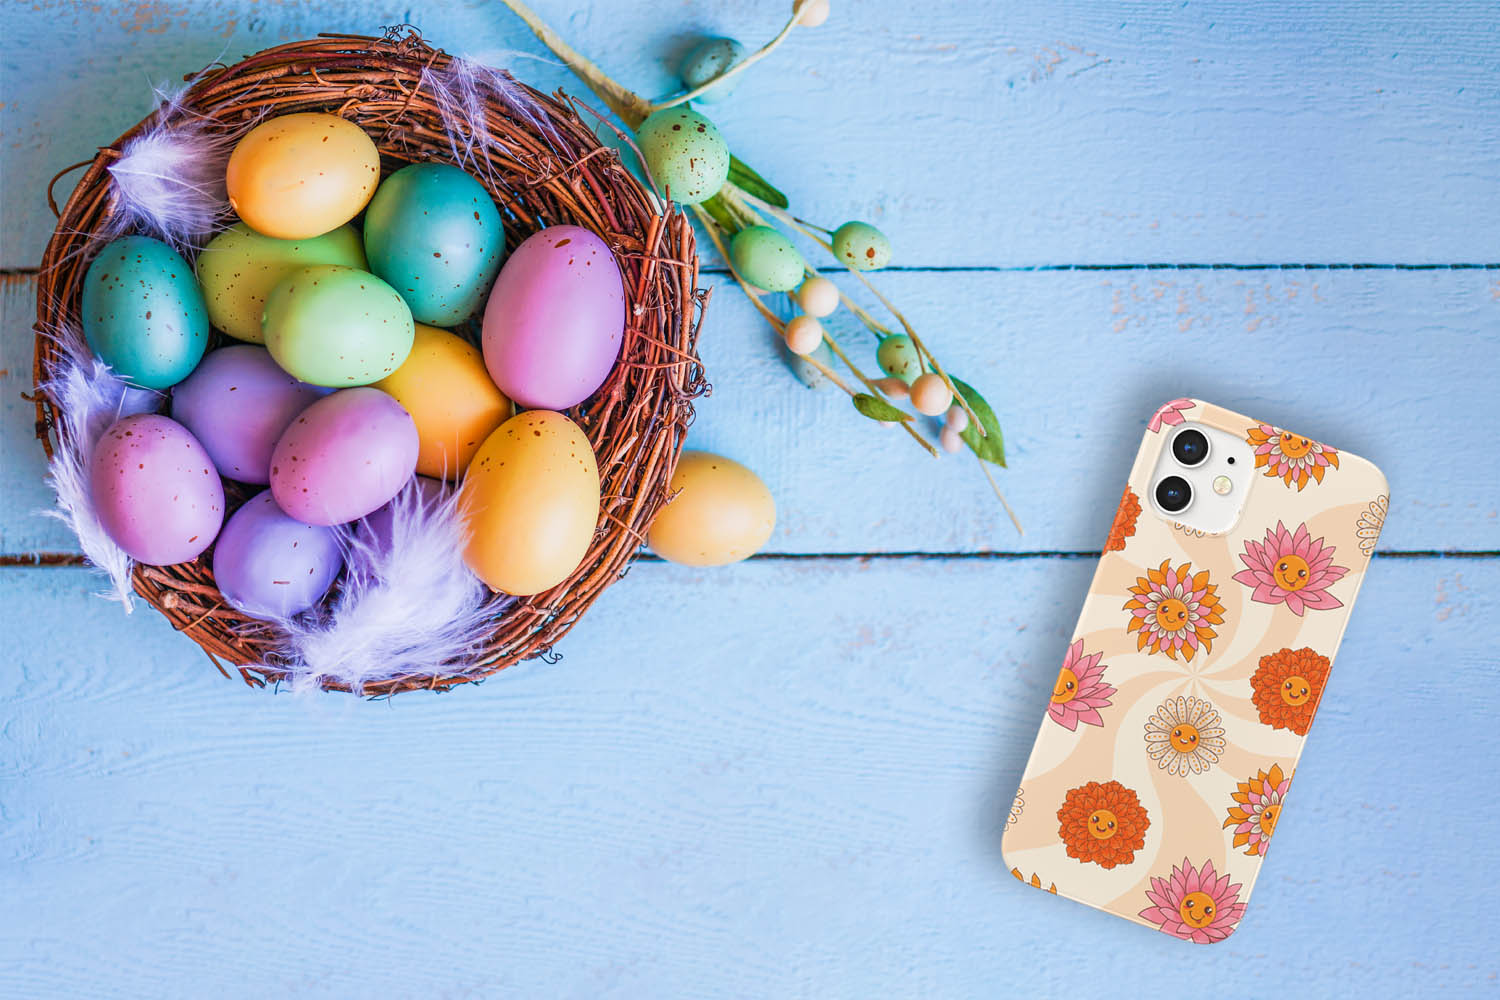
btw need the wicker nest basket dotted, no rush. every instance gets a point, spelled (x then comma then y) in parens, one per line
(636, 421)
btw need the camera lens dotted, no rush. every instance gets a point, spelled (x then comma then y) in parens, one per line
(1190, 447)
(1173, 494)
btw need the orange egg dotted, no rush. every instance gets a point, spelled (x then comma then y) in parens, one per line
(298, 176)
(445, 387)
(531, 503)
(722, 514)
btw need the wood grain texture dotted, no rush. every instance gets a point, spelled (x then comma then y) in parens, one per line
(979, 134)
(785, 779)
(1382, 363)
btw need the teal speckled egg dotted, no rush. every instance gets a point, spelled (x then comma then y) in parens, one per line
(239, 267)
(687, 156)
(861, 247)
(434, 234)
(766, 259)
(336, 326)
(898, 358)
(708, 60)
(143, 313)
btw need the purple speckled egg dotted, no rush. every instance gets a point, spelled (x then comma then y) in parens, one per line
(555, 319)
(272, 566)
(237, 402)
(377, 526)
(343, 456)
(156, 490)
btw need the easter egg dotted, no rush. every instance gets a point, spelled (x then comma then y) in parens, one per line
(861, 246)
(707, 61)
(721, 513)
(445, 387)
(269, 565)
(765, 258)
(687, 156)
(898, 357)
(239, 267)
(143, 313)
(301, 175)
(343, 456)
(531, 503)
(155, 490)
(434, 234)
(555, 319)
(337, 326)
(237, 402)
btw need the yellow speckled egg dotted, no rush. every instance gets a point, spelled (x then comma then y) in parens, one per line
(445, 387)
(299, 176)
(531, 503)
(722, 513)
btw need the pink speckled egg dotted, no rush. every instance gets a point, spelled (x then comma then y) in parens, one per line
(555, 319)
(156, 490)
(343, 457)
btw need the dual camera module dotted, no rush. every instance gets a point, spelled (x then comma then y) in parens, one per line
(1189, 450)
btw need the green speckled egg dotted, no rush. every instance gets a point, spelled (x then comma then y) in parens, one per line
(766, 259)
(143, 313)
(687, 156)
(861, 247)
(898, 358)
(239, 267)
(337, 326)
(434, 233)
(708, 60)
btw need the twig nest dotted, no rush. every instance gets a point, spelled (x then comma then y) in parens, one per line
(685, 153)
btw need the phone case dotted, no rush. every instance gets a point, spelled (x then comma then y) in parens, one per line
(1172, 735)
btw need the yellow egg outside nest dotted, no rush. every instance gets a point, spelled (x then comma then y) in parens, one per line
(721, 513)
(447, 390)
(298, 176)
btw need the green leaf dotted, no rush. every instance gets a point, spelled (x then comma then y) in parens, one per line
(991, 447)
(741, 176)
(721, 214)
(878, 409)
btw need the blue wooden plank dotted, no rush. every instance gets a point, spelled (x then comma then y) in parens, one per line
(814, 809)
(976, 133)
(1384, 364)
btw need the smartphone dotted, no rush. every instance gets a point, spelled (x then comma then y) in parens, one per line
(1173, 730)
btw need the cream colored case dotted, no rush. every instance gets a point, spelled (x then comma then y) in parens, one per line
(1172, 735)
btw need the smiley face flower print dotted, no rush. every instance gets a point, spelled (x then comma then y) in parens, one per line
(1257, 808)
(1170, 415)
(1286, 687)
(1290, 457)
(1294, 569)
(1080, 690)
(1103, 823)
(1174, 610)
(1195, 904)
(1124, 523)
(1185, 734)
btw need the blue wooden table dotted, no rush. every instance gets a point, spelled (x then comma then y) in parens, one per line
(789, 777)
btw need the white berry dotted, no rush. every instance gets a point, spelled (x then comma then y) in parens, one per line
(814, 12)
(803, 335)
(929, 394)
(818, 297)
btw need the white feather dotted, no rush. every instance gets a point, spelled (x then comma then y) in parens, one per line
(169, 180)
(463, 88)
(88, 398)
(408, 608)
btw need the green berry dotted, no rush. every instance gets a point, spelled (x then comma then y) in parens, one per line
(687, 156)
(859, 246)
(766, 259)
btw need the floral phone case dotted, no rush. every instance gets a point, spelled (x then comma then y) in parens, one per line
(1173, 731)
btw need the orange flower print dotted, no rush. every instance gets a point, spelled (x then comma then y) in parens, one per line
(1256, 810)
(1287, 686)
(1290, 457)
(1035, 881)
(1125, 518)
(1174, 611)
(1105, 824)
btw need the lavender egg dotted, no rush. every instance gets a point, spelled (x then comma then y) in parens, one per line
(237, 402)
(269, 565)
(555, 319)
(155, 490)
(343, 456)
